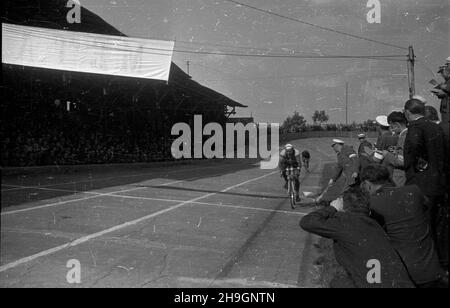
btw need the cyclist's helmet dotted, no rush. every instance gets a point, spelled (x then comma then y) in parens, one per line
(289, 148)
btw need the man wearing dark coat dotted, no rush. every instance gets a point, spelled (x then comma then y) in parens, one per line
(364, 157)
(400, 210)
(425, 156)
(358, 241)
(395, 159)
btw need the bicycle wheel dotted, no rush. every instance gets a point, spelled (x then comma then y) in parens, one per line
(292, 193)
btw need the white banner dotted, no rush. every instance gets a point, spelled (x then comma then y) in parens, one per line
(86, 52)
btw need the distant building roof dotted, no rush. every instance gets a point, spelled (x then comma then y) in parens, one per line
(52, 14)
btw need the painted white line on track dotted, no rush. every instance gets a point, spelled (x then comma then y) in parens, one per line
(19, 187)
(250, 208)
(96, 195)
(78, 199)
(236, 282)
(87, 238)
(210, 204)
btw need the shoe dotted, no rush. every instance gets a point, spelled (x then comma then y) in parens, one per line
(297, 198)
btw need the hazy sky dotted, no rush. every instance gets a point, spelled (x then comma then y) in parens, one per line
(274, 88)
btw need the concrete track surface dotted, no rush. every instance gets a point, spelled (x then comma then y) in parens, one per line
(207, 224)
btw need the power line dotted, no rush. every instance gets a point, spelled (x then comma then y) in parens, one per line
(387, 57)
(315, 25)
(280, 77)
(238, 78)
(114, 46)
(201, 44)
(266, 49)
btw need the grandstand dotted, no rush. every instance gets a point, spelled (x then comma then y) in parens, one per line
(59, 117)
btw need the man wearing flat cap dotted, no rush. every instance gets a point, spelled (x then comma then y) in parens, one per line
(347, 163)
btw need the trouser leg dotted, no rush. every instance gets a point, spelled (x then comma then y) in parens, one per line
(439, 215)
(297, 184)
(284, 176)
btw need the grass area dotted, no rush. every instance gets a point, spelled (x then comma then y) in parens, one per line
(328, 268)
(327, 265)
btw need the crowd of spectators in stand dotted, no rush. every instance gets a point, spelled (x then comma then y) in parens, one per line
(52, 135)
(54, 148)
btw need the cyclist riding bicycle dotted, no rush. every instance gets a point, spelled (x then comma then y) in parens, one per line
(290, 157)
(305, 159)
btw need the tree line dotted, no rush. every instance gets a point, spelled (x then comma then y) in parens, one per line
(297, 123)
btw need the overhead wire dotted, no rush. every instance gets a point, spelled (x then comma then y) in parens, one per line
(115, 46)
(315, 25)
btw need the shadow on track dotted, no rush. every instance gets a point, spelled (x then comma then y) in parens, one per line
(217, 192)
(67, 183)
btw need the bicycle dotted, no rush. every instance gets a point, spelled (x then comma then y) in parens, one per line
(305, 163)
(291, 173)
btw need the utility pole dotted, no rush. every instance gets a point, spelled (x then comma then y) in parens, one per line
(411, 74)
(188, 64)
(346, 103)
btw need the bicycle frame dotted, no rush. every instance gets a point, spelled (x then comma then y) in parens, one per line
(291, 173)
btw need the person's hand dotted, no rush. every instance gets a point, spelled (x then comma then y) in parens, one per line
(330, 182)
(391, 149)
(355, 175)
(338, 204)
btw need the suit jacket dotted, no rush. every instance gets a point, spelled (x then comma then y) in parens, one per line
(386, 140)
(357, 240)
(425, 140)
(401, 210)
(396, 160)
(364, 158)
(347, 164)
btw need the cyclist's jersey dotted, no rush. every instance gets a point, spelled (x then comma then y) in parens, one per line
(306, 155)
(292, 160)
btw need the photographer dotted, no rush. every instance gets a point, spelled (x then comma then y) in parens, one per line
(357, 239)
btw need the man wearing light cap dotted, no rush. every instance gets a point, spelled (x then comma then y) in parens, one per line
(385, 139)
(347, 163)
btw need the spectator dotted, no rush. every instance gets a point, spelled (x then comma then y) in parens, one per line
(347, 163)
(357, 240)
(432, 114)
(398, 124)
(442, 91)
(425, 163)
(400, 210)
(364, 157)
(386, 139)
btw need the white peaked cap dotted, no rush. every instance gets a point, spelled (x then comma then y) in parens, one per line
(337, 141)
(382, 120)
(378, 155)
(420, 98)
